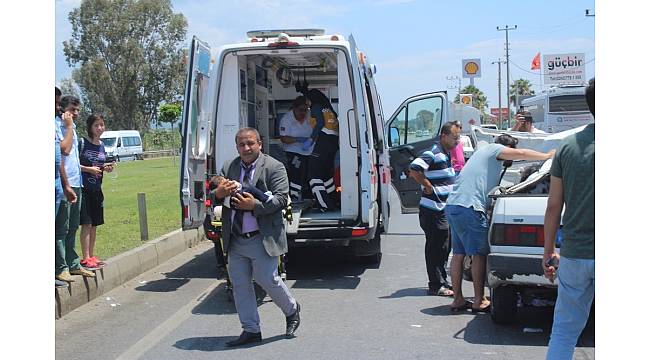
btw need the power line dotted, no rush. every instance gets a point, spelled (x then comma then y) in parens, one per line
(554, 28)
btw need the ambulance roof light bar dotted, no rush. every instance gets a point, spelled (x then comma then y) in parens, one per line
(290, 32)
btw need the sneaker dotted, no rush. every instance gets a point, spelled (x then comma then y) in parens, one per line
(82, 272)
(97, 261)
(60, 284)
(89, 264)
(65, 276)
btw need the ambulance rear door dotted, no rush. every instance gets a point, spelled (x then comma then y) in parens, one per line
(195, 135)
(367, 160)
(382, 163)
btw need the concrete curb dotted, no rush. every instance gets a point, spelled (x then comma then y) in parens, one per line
(124, 267)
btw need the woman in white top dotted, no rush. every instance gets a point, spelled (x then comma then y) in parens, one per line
(295, 130)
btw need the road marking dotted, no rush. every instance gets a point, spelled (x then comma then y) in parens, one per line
(162, 330)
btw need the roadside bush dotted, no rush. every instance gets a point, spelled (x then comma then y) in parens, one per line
(161, 140)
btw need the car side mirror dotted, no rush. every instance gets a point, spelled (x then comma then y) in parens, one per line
(394, 137)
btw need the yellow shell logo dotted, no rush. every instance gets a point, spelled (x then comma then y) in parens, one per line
(471, 68)
(466, 99)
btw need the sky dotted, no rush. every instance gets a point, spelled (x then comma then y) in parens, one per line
(415, 44)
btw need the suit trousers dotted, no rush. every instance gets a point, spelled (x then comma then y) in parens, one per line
(248, 260)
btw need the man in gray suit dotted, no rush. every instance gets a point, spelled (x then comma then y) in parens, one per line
(254, 235)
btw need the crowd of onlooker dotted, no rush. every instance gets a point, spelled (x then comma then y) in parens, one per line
(79, 168)
(453, 215)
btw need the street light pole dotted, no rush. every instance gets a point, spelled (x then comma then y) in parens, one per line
(452, 78)
(499, 62)
(506, 29)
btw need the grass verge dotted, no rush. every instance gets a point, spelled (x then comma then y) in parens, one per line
(158, 179)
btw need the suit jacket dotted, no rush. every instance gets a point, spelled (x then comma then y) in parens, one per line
(270, 175)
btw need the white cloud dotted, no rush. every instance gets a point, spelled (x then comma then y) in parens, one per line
(224, 22)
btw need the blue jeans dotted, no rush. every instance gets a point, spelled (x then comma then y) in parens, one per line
(577, 279)
(469, 230)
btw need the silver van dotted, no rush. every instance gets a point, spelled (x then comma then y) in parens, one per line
(122, 144)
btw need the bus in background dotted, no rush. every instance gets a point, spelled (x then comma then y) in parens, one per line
(559, 108)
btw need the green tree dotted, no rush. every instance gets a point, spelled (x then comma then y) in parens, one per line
(169, 113)
(69, 87)
(479, 100)
(129, 56)
(520, 87)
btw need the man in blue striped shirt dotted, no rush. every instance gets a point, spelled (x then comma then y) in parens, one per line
(433, 170)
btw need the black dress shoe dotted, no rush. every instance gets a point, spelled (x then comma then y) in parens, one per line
(293, 321)
(246, 338)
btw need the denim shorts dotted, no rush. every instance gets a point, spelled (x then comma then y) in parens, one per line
(469, 230)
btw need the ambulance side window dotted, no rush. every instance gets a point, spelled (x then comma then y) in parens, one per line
(397, 130)
(424, 118)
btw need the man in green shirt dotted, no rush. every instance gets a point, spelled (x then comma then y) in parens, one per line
(572, 187)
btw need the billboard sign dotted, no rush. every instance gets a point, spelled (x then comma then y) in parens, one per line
(496, 111)
(563, 69)
(471, 68)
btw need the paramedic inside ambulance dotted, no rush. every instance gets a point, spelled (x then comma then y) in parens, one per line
(294, 132)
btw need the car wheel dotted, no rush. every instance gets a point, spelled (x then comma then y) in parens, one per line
(504, 304)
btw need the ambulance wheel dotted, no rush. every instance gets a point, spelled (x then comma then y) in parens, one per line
(229, 295)
(370, 251)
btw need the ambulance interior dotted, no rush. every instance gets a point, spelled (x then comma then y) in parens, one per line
(268, 82)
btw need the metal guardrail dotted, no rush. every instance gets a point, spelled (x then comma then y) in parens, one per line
(160, 153)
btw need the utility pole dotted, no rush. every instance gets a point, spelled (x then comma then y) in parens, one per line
(499, 62)
(452, 78)
(506, 29)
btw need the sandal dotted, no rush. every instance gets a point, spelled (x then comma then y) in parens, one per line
(444, 291)
(460, 309)
(481, 310)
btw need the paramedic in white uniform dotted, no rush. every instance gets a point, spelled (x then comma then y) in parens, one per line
(294, 132)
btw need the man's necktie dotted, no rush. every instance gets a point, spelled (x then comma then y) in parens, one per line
(238, 223)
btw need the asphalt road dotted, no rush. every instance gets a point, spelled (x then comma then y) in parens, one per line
(179, 310)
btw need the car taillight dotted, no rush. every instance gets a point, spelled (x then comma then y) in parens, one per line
(186, 212)
(359, 231)
(517, 235)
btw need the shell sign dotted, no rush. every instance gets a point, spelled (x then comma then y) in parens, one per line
(466, 99)
(471, 68)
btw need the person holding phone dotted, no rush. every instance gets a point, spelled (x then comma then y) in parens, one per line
(525, 123)
(66, 259)
(572, 189)
(93, 164)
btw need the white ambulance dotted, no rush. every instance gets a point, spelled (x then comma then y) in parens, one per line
(252, 84)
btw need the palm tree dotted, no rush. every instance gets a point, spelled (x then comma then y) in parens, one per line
(520, 87)
(479, 100)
